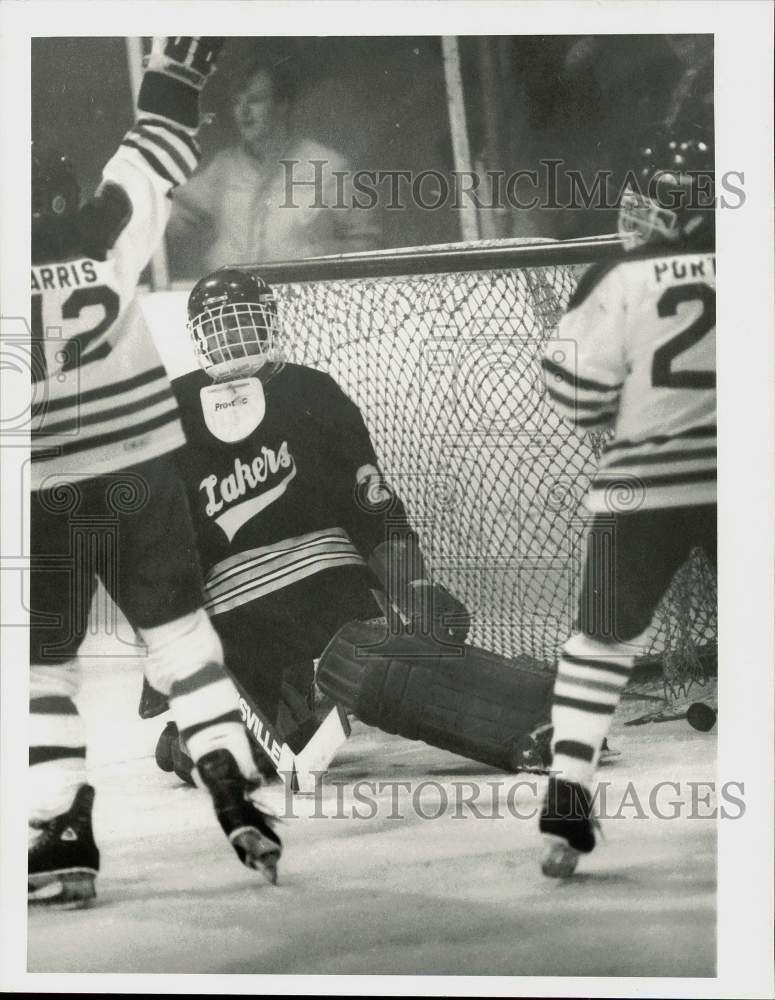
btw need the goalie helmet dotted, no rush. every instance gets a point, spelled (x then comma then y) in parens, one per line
(232, 319)
(671, 197)
(55, 190)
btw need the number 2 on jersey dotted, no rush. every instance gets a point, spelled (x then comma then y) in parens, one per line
(662, 372)
(75, 351)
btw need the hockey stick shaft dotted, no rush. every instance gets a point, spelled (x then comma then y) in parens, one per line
(266, 736)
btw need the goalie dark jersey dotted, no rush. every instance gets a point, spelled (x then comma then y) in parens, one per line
(282, 480)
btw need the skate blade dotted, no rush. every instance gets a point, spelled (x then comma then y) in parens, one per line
(72, 889)
(560, 859)
(257, 852)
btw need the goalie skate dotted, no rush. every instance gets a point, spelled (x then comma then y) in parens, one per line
(246, 826)
(63, 860)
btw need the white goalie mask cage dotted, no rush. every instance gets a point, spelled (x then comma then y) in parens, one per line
(237, 339)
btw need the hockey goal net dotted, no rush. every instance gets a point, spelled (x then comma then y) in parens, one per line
(440, 348)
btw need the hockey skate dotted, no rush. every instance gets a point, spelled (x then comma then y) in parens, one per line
(248, 829)
(171, 756)
(152, 702)
(568, 827)
(63, 860)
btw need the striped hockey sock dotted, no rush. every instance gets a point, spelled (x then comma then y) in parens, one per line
(205, 708)
(591, 676)
(185, 661)
(57, 741)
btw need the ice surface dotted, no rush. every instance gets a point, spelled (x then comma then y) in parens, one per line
(393, 896)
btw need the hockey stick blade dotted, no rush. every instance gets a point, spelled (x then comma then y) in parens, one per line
(316, 756)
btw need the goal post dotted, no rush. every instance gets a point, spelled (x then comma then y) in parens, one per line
(440, 347)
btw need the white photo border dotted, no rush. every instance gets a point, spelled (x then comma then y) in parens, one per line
(746, 355)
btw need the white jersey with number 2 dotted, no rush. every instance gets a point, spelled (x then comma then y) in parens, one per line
(636, 353)
(101, 397)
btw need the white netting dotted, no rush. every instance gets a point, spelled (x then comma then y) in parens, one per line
(446, 370)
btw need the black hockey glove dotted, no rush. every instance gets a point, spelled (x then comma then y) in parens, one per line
(424, 607)
(176, 71)
(433, 611)
(190, 59)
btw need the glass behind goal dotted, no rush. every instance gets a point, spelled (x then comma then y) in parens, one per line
(440, 348)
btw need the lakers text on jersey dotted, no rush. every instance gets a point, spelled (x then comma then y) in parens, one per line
(282, 482)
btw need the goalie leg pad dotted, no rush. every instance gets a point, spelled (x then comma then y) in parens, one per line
(476, 704)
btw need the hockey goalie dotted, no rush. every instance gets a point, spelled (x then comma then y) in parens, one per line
(304, 544)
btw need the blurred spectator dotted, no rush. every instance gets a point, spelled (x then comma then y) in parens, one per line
(248, 206)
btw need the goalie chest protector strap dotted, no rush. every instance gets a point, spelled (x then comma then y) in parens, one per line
(462, 699)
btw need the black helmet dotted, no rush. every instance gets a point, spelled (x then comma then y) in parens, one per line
(671, 196)
(232, 317)
(55, 190)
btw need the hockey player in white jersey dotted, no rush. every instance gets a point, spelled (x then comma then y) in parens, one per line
(106, 499)
(635, 353)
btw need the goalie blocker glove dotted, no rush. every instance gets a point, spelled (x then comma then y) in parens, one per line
(434, 612)
(426, 608)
